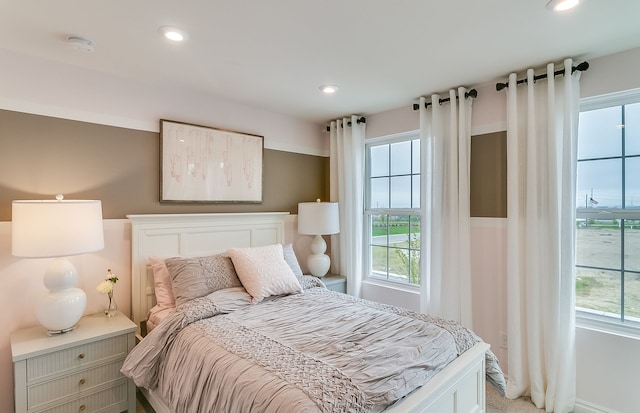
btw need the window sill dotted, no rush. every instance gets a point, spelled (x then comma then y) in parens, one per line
(596, 323)
(392, 285)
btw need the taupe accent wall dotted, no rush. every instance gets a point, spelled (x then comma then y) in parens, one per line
(42, 156)
(488, 184)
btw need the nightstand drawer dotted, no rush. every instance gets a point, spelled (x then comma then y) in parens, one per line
(74, 384)
(58, 362)
(109, 400)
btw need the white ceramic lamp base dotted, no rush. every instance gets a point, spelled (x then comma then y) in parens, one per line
(61, 309)
(318, 262)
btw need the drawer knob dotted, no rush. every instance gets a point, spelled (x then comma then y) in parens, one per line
(83, 407)
(81, 356)
(82, 381)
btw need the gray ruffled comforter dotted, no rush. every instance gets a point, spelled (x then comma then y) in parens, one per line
(319, 351)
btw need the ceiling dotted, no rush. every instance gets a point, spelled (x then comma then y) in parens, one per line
(275, 54)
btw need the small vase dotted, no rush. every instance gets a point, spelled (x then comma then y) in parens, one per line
(111, 308)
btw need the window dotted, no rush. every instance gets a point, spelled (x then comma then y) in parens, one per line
(608, 210)
(392, 209)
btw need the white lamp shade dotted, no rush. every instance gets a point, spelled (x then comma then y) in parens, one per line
(318, 218)
(56, 228)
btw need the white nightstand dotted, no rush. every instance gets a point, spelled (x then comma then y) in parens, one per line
(335, 282)
(77, 371)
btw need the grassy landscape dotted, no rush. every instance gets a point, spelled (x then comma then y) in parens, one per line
(396, 265)
(600, 290)
(396, 262)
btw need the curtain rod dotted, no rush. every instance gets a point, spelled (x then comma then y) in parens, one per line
(582, 67)
(360, 120)
(470, 94)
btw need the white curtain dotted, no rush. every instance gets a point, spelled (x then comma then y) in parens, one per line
(542, 121)
(445, 137)
(347, 188)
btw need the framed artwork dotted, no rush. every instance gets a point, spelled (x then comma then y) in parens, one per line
(203, 164)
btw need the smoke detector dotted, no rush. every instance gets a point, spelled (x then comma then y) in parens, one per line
(81, 44)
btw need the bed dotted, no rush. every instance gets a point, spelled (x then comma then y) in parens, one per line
(456, 384)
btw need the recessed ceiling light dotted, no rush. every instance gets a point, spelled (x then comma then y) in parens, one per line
(562, 5)
(173, 33)
(81, 44)
(329, 89)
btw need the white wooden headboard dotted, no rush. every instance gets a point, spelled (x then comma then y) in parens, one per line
(190, 235)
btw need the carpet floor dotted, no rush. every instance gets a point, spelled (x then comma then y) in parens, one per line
(499, 404)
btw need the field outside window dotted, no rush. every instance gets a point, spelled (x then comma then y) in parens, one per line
(608, 214)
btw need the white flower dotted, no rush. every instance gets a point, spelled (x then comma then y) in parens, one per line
(105, 287)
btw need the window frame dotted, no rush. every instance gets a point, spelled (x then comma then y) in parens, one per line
(597, 319)
(368, 212)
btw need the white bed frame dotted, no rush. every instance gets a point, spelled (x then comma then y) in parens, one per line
(458, 388)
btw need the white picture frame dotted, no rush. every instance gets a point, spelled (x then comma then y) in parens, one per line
(205, 164)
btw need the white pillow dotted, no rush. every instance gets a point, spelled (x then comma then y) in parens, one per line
(264, 272)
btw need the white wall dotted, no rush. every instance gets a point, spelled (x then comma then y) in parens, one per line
(608, 366)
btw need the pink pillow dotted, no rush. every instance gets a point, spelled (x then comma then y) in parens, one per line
(264, 272)
(162, 283)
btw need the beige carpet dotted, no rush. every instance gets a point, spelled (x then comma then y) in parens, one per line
(495, 404)
(499, 404)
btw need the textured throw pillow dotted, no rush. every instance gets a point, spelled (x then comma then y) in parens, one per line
(292, 260)
(199, 276)
(264, 272)
(161, 283)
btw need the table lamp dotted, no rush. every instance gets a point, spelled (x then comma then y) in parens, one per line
(57, 229)
(318, 218)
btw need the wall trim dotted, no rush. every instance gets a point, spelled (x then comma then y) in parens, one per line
(284, 147)
(610, 99)
(486, 222)
(32, 108)
(16, 105)
(586, 407)
(489, 128)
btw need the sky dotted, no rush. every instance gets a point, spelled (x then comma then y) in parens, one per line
(600, 135)
(602, 141)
